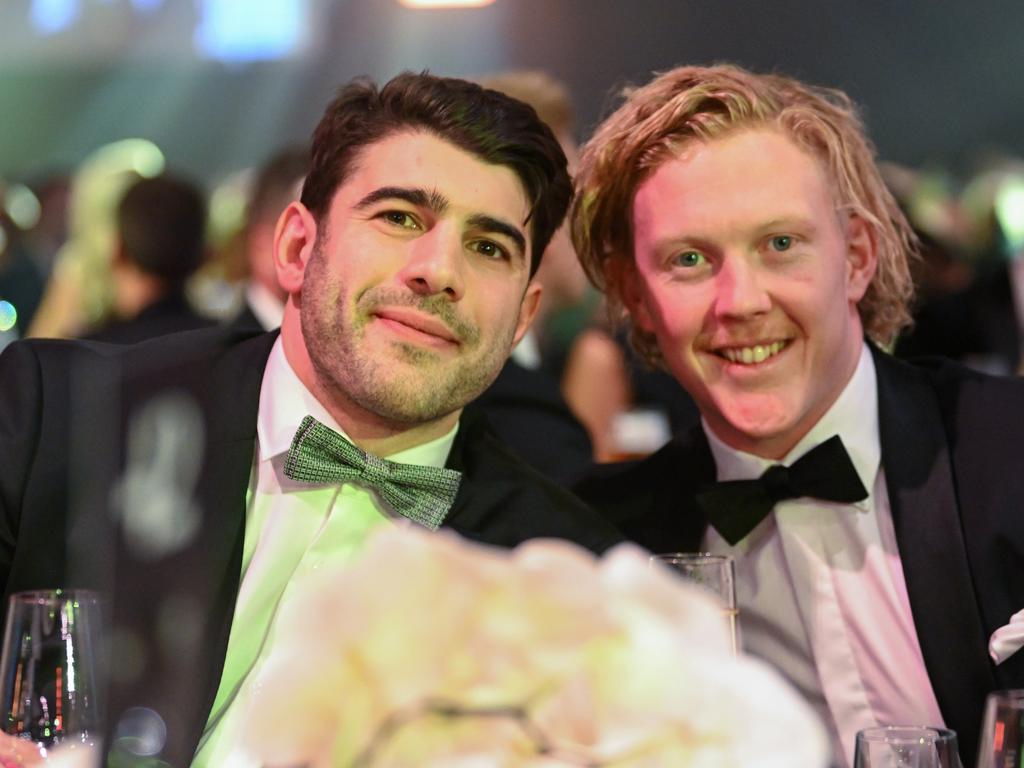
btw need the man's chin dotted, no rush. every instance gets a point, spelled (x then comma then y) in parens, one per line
(753, 425)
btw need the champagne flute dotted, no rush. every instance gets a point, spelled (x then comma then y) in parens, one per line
(906, 746)
(50, 666)
(716, 574)
(1002, 732)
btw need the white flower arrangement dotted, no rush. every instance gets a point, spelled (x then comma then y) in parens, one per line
(431, 651)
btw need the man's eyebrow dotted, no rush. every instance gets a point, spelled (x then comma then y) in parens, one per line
(433, 200)
(487, 223)
(789, 222)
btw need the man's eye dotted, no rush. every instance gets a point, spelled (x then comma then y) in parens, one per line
(400, 219)
(688, 259)
(490, 249)
(781, 243)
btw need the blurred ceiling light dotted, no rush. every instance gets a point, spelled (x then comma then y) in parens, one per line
(52, 16)
(445, 3)
(235, 31)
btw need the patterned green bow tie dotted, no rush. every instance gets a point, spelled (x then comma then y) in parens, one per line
(320, 455)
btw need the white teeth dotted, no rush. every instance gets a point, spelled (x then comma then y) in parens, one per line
(755, 354)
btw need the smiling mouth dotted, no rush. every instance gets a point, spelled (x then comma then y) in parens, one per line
(752, 355)
(418, 327)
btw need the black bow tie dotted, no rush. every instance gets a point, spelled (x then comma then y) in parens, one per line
(735, 507)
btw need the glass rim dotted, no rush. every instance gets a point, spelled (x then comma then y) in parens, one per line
(690, 557)
(44, 596)
(1009, 693)
(894, 734)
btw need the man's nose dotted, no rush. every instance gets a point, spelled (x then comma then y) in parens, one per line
(435, 264)
(741, 290)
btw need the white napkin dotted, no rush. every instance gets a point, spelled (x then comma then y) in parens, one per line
(1007, 640)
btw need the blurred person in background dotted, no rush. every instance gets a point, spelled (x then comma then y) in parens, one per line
(871, 507)
(50, 231)
(160, 243)
(982, 324)
(525, 403)
(630, 408)
(79, 291)
(21, 283)
(278, 182)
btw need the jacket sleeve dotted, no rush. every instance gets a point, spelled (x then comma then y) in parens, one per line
(20, 413)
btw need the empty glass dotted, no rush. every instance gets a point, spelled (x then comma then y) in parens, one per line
(716, 574)
(906, 747)
(50, 665)
(1002, 732)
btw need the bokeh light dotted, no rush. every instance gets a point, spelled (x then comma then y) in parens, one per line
(23, 206)
(1010, 211)
(8, 316)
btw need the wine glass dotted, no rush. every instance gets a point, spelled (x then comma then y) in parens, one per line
(1002, 734)
(51, 668)
(715, 574)
(906, 746)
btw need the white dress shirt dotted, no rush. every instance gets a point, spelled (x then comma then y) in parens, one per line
(268, 308)
(291, 528)
(820, 586)
(527, 351)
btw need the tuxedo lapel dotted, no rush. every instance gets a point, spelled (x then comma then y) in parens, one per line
(688, 465)
(922, 494)
(183, 597)
(653, 502)
(503, 501)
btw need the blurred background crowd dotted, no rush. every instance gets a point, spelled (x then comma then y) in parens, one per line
(147, 147)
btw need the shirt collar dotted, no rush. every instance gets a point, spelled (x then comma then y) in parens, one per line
(853, 416)
(285, 401)
(527, 351)
(267, 308)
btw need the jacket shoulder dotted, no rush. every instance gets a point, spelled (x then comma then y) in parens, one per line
(503, 500)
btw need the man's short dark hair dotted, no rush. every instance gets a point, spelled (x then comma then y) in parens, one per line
(490, 125)
(275, 182)
(162, 225)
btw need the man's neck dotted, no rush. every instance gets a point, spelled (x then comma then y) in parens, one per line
(370, 431)
(135, 290)
(779, 447)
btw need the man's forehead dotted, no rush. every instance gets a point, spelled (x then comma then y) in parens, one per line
(750, 164)
(421, 159)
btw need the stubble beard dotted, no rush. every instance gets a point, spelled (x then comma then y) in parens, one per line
(406, 385)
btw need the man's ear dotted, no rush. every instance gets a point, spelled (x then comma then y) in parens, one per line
(623, 273)
(294, 240)
(528, 309)
(861, 257)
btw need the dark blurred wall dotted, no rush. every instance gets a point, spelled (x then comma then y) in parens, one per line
(939, 80)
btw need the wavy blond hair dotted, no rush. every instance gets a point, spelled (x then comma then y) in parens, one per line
(703, 103)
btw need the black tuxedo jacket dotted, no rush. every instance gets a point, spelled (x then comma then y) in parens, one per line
(953, 454)
(527, 410)
(170, 314)
(73, 415)
(978, 325)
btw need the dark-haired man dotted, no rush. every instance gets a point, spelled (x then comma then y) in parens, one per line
(408, 265)
(161, 236)
(278, 181)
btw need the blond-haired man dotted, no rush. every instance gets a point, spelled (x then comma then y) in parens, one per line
(870, 505)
